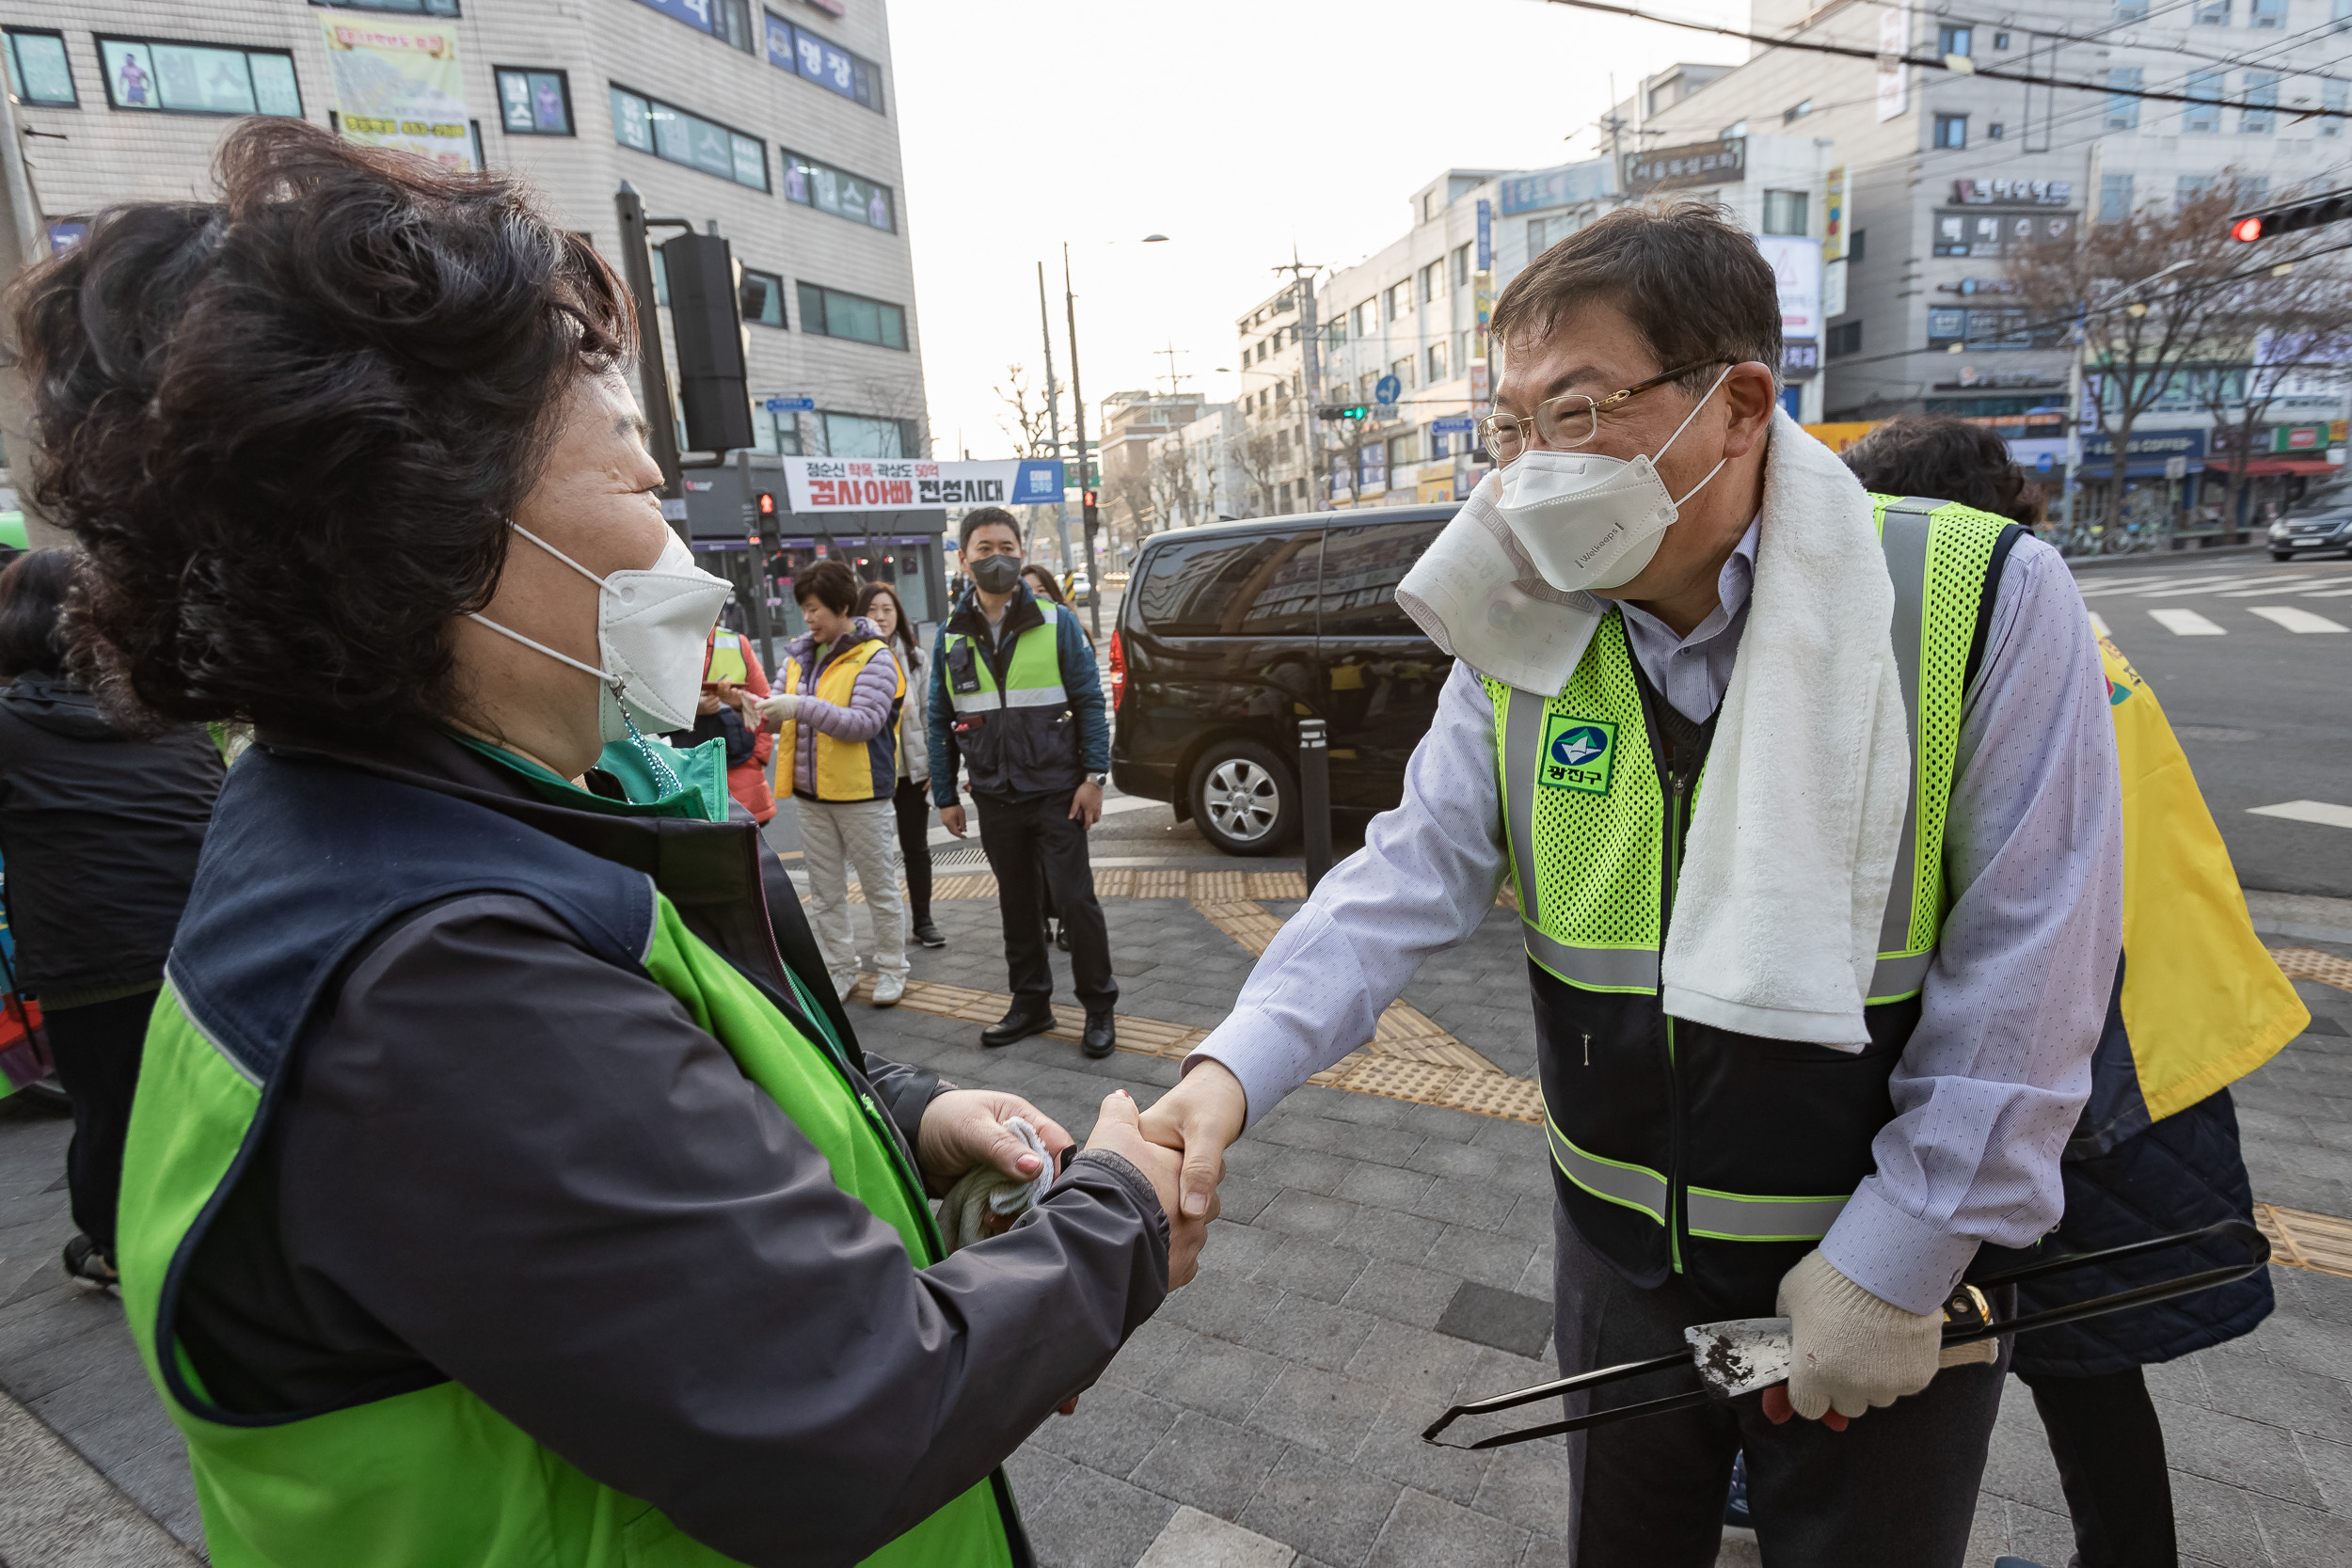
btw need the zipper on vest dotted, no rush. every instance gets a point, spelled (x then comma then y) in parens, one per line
(1673, 1075)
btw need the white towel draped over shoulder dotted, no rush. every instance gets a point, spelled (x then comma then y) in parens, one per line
(1799, 815)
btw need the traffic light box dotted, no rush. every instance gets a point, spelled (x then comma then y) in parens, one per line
(706, 323)
(1332, 412)
(2334, 207)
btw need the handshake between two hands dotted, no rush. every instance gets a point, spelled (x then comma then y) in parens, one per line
(1179, 1145)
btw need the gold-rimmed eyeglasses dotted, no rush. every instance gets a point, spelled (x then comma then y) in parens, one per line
(1570, 421)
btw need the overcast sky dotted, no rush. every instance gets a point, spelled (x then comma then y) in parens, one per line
(1239, 128)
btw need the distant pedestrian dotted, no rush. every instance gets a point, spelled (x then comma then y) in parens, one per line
(2196, 1005)
(100, 832)
(837, 713)
(1016, 700)
(734, 683)
(911, 802)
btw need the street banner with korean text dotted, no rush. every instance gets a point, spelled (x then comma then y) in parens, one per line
(910, 483)
(399, 86)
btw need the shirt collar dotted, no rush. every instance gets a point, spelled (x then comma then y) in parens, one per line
(1732, 587)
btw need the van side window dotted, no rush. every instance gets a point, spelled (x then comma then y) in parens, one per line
(1257, 585)
(1362, 567)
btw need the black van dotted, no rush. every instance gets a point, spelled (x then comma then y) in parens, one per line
(1230, 633)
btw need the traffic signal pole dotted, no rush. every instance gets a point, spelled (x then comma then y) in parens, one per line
(653, 371)
(1052, 420)
(1086, 486)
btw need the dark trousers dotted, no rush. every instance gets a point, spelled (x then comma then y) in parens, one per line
(912, 804)
(97, 1050)
(1032, 845)
(2109, 1450)
(1897, 1486)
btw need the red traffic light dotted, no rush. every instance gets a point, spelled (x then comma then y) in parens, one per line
(2246, 231)
(1089, 497)
(766, 505)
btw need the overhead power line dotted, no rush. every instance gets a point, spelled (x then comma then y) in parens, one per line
(1993, 73)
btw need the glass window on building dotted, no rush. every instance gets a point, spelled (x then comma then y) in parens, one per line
(864, 435)
(404, 8)
(1261, 586)
(1785, 212)
(2332, 96)
(830, 313)
(154, 74)
(2213, 13)
(1404, 450)
(1951, 131)
(675, 136)
(2205, 114)
(1403, 370)
(1399, 299)
(535, 103)
(840, 193)
(2123, 106)
(2189, 187)
(2341, 16)
(762, 293)
(1365, 383)
(795, 49)
(1462, 252)
(775, 431)
(2262, 103)
(2131, 10)
(1845, 339)
(1367, 316)
(39, 72)
(2269, 13)
(2115, 198)
(1432, 281)
(1437, 363)
(1953, 40)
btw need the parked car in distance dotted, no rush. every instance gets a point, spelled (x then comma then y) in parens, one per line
(2328, 531)
(1230, 633)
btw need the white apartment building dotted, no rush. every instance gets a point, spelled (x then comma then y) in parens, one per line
(1922, 177)
(1204, 479)
(773, 123)
(1275, 405)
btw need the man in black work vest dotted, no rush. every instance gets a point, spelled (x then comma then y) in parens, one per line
(1809, 799)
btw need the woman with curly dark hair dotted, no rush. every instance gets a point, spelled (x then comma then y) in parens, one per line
(504, 1184)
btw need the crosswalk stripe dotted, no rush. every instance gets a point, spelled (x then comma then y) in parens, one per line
(2099, 624)
(2185, 622)
(2256, 580)
(2273, 585)
(2325, 593)
(2324, 813)
(2143, 585)
(2295, 619)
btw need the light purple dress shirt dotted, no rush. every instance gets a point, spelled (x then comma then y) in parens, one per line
(1999, 1065)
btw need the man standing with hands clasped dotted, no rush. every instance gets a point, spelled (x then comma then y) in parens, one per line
(1808, 799)
(1015, 695)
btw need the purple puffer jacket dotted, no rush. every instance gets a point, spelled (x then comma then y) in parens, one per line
(869, 713)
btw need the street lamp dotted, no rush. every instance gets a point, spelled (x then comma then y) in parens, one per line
(1077, 398)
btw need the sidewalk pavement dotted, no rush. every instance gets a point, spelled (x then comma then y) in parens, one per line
(1379, 1256)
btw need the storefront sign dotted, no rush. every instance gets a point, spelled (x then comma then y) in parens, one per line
(2147, 452)
(1675, 168)
(1800, 358)
(1894, 39)
(1834, 221)
(2012, 193)
(1555, 187)
(1796, 266)
(895, 483)
(398, 87)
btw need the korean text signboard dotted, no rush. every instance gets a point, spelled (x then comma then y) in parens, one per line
(1555, 187)
(1721, 162)
(399, 86)
(911, 484)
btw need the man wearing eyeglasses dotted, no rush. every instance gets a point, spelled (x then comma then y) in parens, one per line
(1827, 1119)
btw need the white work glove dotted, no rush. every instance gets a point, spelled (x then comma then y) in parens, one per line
(780, 710)
(1853, 1351)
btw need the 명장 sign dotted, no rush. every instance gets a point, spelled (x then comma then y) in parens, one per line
(908, 483)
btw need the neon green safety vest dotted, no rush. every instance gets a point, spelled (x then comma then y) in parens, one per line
(435, 1478)
(1017, 737)
(1681, 1147)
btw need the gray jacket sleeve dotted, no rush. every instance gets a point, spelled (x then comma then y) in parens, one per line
(535, 1169)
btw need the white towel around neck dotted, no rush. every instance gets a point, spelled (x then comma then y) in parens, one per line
(1792, 843)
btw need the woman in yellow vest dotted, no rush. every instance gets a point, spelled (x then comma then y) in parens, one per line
(2198, 1004)
(837, 710)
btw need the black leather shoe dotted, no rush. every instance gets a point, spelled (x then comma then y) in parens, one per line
(1061, 936)
(1018, 1024)
(928, 934)
(1102, 1035)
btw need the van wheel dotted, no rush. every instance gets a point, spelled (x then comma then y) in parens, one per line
(2289, 555)
(1244, 798)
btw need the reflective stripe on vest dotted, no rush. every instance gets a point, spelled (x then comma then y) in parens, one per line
(1614, 1181)
(1032, 676)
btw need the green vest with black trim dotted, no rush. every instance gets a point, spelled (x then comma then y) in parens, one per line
(1679, 1149)
(305, 860)
(1012, 725)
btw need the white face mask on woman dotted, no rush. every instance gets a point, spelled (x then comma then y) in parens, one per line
(652, 626)
(1588, 521)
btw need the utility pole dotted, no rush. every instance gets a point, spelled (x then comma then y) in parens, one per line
(1169, 354)
(660, 407)
(1309, 371)
(1052, 420)
(1086, 487)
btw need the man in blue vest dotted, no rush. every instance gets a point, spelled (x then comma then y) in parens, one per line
(1807, 800)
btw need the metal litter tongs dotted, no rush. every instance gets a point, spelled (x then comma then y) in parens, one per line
(1743, 1356)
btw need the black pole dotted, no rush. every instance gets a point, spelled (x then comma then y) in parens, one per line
(1085, 483)
(1314, 797)
(661, 409)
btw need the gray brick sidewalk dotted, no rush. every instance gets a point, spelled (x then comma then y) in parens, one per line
(1376, 1260)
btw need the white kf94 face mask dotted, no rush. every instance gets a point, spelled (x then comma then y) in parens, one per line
(1589, 521)
(651, 629)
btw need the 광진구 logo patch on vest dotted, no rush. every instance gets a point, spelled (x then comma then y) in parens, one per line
(1578, 753)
